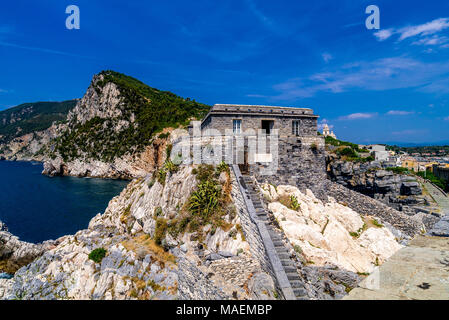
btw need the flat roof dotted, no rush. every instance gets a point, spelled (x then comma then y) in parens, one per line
(258, 106)
(259, 110)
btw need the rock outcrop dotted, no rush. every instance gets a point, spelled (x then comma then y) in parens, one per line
(330, 233)
(210, 263)
(15, 254)
(399, 191)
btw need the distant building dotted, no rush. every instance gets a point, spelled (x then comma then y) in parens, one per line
(327, 132)
(380, 154)
(410, 163)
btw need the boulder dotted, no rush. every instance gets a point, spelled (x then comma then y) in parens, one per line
(441, 228)
(411, 188)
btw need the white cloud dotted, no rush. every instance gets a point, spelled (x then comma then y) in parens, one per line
(327, 57)
(378, 75)
(357, 116)
(384, 34)
(256, 95)
(399, 113)
(422, 31)
(431, 41)
(409, 132)
(425, 29)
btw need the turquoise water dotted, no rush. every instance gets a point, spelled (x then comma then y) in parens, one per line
(37, 208)
(4, 275)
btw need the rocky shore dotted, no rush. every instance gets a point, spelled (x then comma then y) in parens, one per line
(214, 265)
(15, 254)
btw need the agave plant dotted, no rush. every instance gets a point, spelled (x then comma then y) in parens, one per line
(205, 199)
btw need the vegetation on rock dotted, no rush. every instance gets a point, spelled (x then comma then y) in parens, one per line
(145, 110)
(97, 255)
(31, 117)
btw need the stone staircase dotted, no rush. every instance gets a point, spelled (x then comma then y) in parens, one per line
(287, 263)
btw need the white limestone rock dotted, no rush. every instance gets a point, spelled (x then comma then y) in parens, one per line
(330, 233)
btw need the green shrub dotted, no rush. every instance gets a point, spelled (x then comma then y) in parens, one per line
(170, 166)
(348, 152)
(204, 200)
(160, 230)
(295, 205)
(164, 135)
(398, 170)
(377, 224)
(97, 255)
(206, 172)
(161, 175)
(434, 179)
(223, 166)
(168, 150)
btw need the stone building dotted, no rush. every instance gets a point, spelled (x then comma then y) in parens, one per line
(327, 132)
(288, 151)
(441, 172)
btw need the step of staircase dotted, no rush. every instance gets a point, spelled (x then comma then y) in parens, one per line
(296, 284)
(252, 193)
(283, 255)
(287, 262)
(278, 243)
(300, 292)
(293, 276)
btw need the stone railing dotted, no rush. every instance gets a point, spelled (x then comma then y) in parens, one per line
(261, 245)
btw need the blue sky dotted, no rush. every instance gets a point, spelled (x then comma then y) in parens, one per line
(387, 85)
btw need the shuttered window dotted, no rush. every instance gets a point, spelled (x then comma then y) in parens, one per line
(295, 127)
(237, 126)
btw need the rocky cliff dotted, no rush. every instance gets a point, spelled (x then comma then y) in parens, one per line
(26, 129)
(400, 191)
(119, 129)
(147, 245)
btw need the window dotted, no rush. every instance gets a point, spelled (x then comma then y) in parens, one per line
(267, 126)
(237, 126)
(295, 127)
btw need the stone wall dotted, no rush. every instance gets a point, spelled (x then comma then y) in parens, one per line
(365, 205)
(441, 172)
(221, 122)
(300, 162)
(193, 284)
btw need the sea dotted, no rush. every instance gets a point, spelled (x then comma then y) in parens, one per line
(36, 208)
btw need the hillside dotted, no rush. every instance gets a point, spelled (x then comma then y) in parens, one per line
(119, 115)
(31, 117)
